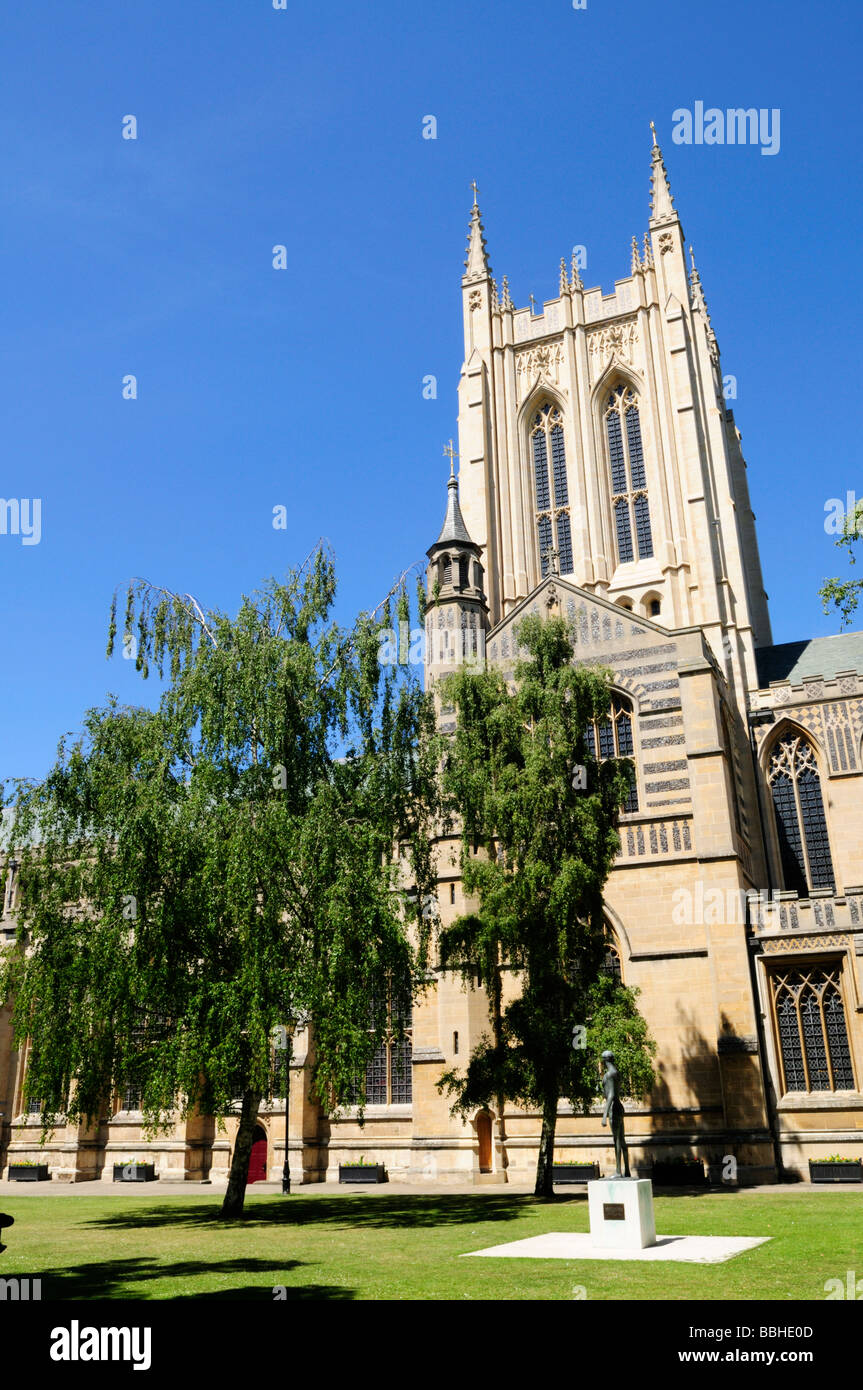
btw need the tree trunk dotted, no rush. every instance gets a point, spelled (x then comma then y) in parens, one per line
(544, 1167)
(498, 1031)
(236, 1194)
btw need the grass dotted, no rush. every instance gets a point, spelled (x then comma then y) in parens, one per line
(408, 1246)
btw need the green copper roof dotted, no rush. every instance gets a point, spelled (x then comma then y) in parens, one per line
(819, 656)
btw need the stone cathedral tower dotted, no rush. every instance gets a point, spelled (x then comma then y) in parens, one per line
(621, 393)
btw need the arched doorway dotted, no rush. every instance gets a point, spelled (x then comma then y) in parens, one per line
(258, 1156)
(483, 1134)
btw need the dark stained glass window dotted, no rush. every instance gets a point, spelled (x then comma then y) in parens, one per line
(628, 476)
(623, 527)
(613, 738)
(811, 1029)
(558, 466)
(389, 1073)
(801, 825)
(551, 490)
(837, 1039)
(789, 1043)
(564, 544)
(540, 467)
(543, 528)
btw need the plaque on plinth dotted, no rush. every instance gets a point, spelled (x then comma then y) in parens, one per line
(621, 1213)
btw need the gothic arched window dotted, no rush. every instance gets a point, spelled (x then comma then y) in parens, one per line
(628, 478)
(553, 527)
(811, 1029)
(801, 825)
(612, 738)
(388, 1074)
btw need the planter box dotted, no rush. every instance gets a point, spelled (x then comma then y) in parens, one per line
(134, 1172)
(679, 1175)
(23, 1172)
(820, 1170)
(563, 1173)
(362, 1172)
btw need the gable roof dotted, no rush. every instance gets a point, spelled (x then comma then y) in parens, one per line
(638, 625)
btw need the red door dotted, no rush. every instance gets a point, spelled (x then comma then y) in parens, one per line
(483, 1134)
(258, 1157)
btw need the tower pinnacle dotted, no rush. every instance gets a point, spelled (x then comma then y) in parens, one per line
(661, 201)
(476, 264)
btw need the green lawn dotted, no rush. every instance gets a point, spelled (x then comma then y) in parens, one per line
(407, 1247)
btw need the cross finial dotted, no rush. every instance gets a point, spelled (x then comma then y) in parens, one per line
(452, 454)
(473, 185)
(653, 128)
(532, 305)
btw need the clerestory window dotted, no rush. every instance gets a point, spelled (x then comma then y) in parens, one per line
(628, 476)
(553, 525)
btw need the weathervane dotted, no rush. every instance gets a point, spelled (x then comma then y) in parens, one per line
(452, 454)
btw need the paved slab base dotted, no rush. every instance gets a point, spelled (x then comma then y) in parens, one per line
(577, 1245)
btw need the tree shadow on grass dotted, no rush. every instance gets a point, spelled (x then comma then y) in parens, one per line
(128, 1280)
(371, 1213)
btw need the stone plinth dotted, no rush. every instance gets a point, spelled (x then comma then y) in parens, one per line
(621, 1213)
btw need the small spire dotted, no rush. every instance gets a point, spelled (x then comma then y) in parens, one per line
(453, 528)
(507, 302)
(564, 287)
(648, 251)
(575, 283)
(661, 201)
(636, 259)
(495, 297)
(476, 265)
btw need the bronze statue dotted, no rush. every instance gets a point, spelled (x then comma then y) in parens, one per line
(614, 1111)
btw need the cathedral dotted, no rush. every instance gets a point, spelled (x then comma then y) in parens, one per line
(601, 478)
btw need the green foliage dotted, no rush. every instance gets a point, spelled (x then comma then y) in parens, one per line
(193, 875)
(536, 853)
(844, 594)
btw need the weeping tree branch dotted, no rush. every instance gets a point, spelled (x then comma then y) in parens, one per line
(347, 646)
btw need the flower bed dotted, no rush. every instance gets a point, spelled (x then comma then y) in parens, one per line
(835, 1169)
(362, 1172)
(28, 1171)
(679, 1172)
(574, 1172)
(134, 1170)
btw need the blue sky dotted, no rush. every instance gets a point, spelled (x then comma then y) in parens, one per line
(303, 387)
